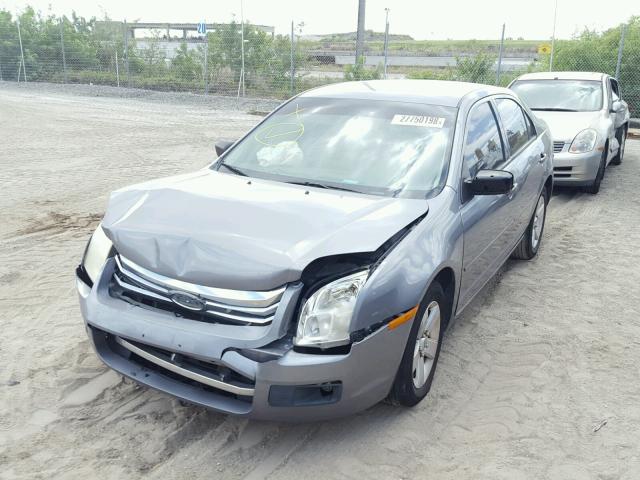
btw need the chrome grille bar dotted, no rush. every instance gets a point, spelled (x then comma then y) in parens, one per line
(229, 297)
(256, 308)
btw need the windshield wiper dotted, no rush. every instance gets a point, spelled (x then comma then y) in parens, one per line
(235, 170)
(553, 109)
(322, 185)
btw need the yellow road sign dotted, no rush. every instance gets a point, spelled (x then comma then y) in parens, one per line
(544, 48)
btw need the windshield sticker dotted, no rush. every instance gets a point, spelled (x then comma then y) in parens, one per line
(418, 121)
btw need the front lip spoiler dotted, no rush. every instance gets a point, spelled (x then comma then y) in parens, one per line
(227, 387)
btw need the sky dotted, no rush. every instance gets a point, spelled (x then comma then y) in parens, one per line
(422, 19)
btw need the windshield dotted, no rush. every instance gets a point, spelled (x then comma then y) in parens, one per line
(376, 147)
(561, 95)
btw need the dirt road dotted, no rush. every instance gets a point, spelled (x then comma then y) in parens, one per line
(548, 352)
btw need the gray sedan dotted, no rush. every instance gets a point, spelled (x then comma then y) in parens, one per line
(312, 270)
(588, 121)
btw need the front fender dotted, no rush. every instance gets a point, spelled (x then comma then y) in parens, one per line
(400, 280)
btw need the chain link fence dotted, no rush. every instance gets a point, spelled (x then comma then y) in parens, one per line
(240, 59)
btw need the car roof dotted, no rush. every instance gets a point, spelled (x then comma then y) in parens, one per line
(562, 76)
(432, 92)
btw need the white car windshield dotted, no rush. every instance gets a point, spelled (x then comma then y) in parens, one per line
(370, 146)
(560, 95)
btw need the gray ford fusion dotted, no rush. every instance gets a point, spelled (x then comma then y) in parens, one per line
(312, 270)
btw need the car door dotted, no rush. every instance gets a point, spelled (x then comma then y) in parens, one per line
(485, 218)
(525, 160)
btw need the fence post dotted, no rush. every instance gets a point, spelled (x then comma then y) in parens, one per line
(293, 67)
(24, 67)
(64, 58)
(206, 68)
(620, 49)
(117, 68)
(126, 53)
(499, 68)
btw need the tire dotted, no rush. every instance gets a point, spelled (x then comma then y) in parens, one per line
(530, 243)
(594, 188)
(410, 387)
(622, 140)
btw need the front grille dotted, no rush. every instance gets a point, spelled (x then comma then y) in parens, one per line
(558, 147)
(137, 285)
(562, 169)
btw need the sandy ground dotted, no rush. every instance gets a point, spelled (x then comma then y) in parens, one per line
(548, 352)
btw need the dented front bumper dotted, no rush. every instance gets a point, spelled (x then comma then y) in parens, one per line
(265, 378)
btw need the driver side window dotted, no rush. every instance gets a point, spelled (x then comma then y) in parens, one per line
(483, 147)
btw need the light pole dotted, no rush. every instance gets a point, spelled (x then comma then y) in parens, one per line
(386, 42)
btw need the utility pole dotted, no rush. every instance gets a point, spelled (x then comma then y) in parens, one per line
(386, 42)
(360, 32)
(553, 36)
(499, 69)
(620, 49)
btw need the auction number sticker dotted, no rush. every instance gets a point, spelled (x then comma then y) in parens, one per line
(418, 121)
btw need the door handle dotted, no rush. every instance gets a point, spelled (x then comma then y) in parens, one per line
(543, 157)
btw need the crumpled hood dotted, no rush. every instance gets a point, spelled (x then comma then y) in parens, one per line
(227, 231)
(564, 126)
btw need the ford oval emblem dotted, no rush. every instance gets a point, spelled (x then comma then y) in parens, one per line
(187, 300)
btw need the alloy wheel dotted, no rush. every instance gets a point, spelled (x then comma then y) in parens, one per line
(538, 222)
(426, 347)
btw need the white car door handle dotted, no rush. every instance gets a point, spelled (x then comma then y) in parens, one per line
(543, 157)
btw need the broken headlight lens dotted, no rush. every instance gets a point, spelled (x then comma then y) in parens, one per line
(96, 253)
(326, 315)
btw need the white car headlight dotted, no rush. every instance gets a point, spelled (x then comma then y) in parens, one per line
(584, 142)
(96, 254)
(326, 315)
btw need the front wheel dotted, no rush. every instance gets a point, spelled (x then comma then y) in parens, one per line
(418, 365)
(594, 188)
(530, 243)
(622, 140)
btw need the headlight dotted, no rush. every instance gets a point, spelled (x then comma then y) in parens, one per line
(96, 254)
(584, 142)
(326, 315)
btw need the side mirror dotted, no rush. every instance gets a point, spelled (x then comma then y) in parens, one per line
(616, 106)
(491, 182)
(222, 146)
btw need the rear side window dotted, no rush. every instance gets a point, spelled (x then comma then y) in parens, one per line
(530, 126)
(518, 127)
(483, 146)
